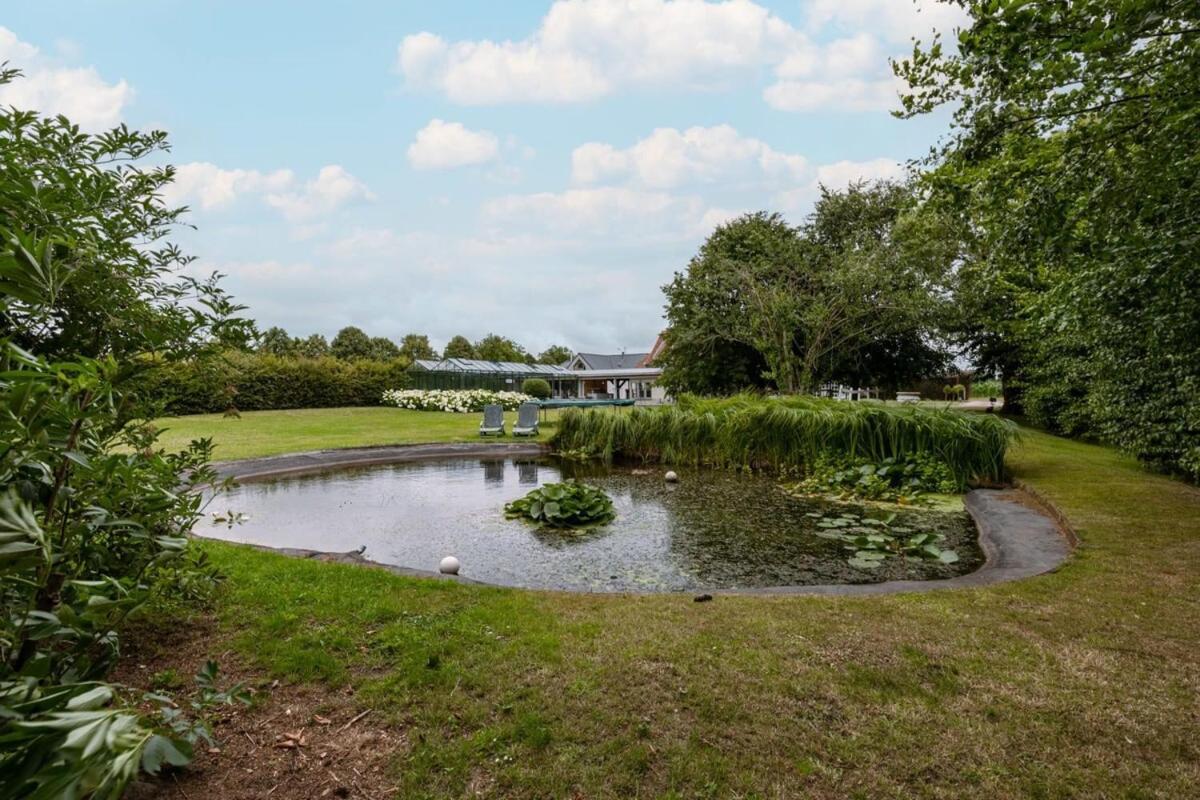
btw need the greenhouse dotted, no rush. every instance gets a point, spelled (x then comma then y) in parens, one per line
(472, 373)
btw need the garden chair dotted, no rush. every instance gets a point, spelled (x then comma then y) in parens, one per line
(527, 420)
(493, 421)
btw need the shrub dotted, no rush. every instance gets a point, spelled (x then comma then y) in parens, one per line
(564, 505)
(791, 433)
(459, 401)
(536, 387)
(259, 382)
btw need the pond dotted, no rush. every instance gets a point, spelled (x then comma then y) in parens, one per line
(714, 529)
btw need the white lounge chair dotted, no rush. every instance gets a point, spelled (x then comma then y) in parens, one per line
(493, 421)
(527, 420)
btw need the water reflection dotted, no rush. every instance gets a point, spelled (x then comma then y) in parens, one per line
(713, 529)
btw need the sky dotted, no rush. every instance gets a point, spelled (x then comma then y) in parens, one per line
(534, 169)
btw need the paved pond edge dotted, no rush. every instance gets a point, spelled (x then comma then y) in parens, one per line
(1021, 534)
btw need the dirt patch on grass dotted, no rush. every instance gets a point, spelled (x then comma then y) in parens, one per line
(293, 741)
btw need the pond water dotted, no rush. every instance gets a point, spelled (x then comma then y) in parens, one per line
(713, 530)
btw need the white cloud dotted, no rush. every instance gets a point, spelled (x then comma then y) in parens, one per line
(210, 187)
(443, 145)
(79, 93)
(332, 188)
(207, 186)
(586, 49)
(842, 173)
(898, 20)
(840, 94)
(594, 212)
(838, 175)
(669, 157)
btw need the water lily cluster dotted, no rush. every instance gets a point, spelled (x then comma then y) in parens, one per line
(459, 401)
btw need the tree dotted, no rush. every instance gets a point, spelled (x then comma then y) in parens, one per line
(383, 349)
(459, 347)
(1072, 168)
(704, 304)
(314, 346)
(350, 343)
(555, 354)
(416, 345)
(277, 342)
(804, 305)
(497, 348)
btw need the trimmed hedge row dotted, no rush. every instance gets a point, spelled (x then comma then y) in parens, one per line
(259, 382)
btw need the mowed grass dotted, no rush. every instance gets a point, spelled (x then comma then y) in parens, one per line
(1082, 683)
(269, 433)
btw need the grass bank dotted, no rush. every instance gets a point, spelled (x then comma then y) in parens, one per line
(1081, 683)
(269, 433)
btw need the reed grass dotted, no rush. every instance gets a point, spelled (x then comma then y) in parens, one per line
(790, 432)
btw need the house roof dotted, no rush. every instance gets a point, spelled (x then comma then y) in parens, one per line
(603, 361)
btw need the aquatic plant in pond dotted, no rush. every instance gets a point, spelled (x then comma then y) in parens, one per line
(873, 540)
(903, 480)
(792, 432)
(569, 504)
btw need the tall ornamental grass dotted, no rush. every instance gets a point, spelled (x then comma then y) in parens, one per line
(790, 432)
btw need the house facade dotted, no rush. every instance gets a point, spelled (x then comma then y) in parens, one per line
(623, 376)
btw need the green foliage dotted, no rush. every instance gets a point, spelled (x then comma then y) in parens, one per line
(314, 346)
(416, 345)
(351, 343)
(902, 480)
(261, 382)
(871, 541)
(383, 349)
(536, 387)
(276, 341)
(494, 347)
(564, 505)
(791, 433)
(459, 347)
(1071, 171)
(555, 355)
(847, 296)
(986, 388)
(94, 518)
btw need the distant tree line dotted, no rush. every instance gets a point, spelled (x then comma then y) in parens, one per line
(352, 343)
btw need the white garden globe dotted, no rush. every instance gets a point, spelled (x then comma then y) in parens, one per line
(671, 477)
(449, 565)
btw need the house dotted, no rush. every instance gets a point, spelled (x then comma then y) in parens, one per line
(625, 376)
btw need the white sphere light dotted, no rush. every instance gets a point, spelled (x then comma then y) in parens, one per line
(449, 565)
(671, 477)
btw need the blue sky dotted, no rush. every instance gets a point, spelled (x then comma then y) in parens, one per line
(534, 169)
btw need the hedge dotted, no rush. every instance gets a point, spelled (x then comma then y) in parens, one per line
(259, 382)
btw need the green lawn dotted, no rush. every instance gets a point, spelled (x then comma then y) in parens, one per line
(1083, 683)
(268, 433)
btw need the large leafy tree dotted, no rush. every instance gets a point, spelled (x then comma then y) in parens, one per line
(416, 345)
(555, 354)
(459, 347)
(840, 297)
(351, 342)
(277, 342)
(1072, 167)
(494, 347)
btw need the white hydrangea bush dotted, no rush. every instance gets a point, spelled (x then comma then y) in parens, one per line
(457, 401)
